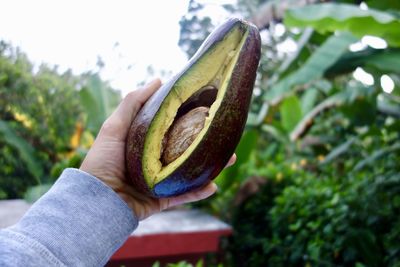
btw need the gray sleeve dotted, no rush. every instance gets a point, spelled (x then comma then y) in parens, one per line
(79, 222)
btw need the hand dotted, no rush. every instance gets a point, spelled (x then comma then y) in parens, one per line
(106, 158)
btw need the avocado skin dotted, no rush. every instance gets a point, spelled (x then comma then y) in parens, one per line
(219, 142)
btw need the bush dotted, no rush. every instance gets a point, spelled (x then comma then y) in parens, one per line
(38, 113)
(325, 139)
(321, 221)
(47, 120)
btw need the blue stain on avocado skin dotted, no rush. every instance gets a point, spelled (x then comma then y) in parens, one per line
(178, 184)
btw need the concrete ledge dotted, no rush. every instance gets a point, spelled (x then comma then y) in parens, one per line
(11, 211)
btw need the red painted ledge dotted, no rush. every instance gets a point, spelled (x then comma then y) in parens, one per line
(171, 244)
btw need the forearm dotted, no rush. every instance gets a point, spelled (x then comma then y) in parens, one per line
(79, 222)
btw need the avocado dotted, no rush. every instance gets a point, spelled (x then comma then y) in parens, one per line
(187, 131)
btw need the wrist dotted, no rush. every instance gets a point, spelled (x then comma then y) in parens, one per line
(113, 183)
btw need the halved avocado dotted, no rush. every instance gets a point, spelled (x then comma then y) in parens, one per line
(220, 79)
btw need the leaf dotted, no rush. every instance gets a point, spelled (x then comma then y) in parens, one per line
(243, 151)
(387, 107)
(364, 241)
(330, 17)
(385, 60)
(291, 62)
(92, 109)
(199, 263)
(338, 151)
(276, 133)
(257, 119)
(384, 4)
(308, 100)
(35, 192)
(350, 61)
(361, 111)
(291, 113)
(25, 150)
(323, 58)
(304, 125)
(376, 155)
(99, 102)
(349, 97)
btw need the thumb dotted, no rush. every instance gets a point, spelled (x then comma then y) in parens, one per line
(117, 125)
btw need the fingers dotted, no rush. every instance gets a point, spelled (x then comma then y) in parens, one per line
(131, 104)
(193, 196)
(117, 125)
(231, 161)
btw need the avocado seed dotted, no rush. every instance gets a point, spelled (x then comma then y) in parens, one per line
(182, 134)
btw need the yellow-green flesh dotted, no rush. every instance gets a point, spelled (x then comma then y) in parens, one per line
(214, 68)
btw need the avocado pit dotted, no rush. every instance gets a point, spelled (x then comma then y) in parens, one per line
(182, 134)
(204, 97)
(188, 122)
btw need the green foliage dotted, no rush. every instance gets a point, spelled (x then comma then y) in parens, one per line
(25, 150)
(332, 17)
(315, 66)
(38, 112)
(249, 239)
(182, 264)
(309, 100)
(319, 181)
(323, 211)
(244, 149)
(376, 60)
(15, 177)
(385, 5)
(386, 61)
(45, 125)
(321, 221)
(98, 101)
(291, 112)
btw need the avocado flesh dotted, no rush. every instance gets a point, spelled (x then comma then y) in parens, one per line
(214, 68)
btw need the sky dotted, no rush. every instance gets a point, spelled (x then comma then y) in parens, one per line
(128, 35)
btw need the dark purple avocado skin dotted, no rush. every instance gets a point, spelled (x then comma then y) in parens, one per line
(218, 144)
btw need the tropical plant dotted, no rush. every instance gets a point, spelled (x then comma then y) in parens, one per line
(319, 138)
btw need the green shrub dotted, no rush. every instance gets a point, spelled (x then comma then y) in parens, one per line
(48, 120)
(325, 141)
(324, 221)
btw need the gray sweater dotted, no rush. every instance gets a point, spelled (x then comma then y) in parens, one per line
(79, 222)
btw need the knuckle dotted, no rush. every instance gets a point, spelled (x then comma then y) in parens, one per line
(131, 97)
(132, 94)
(111, 126)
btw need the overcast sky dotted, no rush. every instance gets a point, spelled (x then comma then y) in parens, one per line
(72, 33)
(128, 35)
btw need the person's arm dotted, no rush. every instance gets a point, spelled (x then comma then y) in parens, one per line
(79, 222)
(89, 213)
